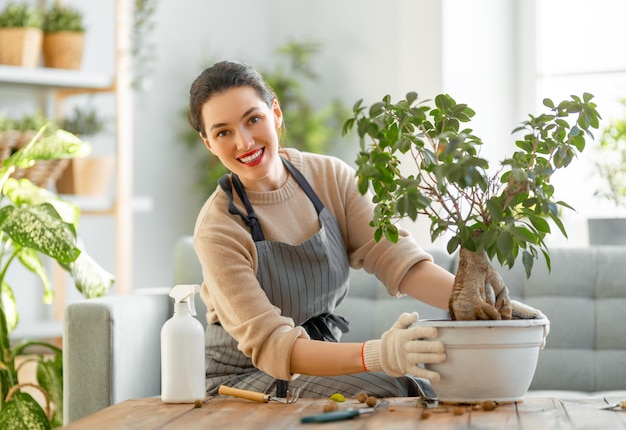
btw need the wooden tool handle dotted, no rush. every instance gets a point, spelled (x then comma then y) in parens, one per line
(243, 394)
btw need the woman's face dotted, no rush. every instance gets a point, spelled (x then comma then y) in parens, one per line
(242, 131)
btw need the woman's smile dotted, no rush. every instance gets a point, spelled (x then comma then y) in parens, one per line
(252, 158)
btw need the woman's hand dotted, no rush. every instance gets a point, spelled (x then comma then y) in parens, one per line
(523, 311)
(401, 348)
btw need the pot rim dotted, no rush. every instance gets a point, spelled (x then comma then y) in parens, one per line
(531, 322)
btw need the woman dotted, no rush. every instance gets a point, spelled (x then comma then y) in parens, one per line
(276, 241)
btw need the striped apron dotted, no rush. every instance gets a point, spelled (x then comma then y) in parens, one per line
(306, 282)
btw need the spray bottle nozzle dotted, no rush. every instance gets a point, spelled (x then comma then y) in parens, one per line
(185, 293)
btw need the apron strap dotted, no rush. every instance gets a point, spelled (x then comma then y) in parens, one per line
(250, 219)
(304, 184)
(227, 182)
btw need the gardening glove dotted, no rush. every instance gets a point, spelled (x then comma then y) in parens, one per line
(401, 348)
(523, 311)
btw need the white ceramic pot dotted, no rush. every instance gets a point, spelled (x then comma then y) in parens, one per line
(487, 360)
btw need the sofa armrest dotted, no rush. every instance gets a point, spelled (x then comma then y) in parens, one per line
(112, 350)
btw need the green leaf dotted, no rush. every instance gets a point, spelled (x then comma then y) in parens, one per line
(391, 233)
(528, 260)
(50, 379)
(539, 223)
(91, 279)
(523, 234)
(41, 228)
(32, 261)
(453, 245)
(10, 317)
(23, 412)
(505, 243)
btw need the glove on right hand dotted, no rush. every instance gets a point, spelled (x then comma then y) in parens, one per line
(399, 350)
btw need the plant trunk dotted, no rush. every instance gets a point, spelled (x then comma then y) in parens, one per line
(479, 293)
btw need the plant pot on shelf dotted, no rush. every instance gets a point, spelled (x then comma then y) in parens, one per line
(20, 46)
(63, 49)
(486, 360)
(42, 173)
(607, 231)
(89, 176)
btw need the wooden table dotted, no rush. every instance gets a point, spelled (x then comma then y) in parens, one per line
(400, 413)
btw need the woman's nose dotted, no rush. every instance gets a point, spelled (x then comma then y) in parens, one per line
(244, 139)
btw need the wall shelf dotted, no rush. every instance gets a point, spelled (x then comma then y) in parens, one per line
(55, 78)
(60, 85)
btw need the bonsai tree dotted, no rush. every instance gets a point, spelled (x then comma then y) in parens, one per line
(490, 215)
(611, 162)
(35, 222)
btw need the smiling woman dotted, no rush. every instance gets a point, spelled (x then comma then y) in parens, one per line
(276, 242)
(242, 131)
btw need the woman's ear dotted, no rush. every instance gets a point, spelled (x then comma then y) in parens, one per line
(206, 141)
(278, 114)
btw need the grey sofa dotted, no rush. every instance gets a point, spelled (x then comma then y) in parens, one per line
(112, 344)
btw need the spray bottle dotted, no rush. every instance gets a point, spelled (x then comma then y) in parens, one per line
(182, 350)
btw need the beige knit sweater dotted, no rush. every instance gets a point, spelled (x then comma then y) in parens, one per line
(229, 261)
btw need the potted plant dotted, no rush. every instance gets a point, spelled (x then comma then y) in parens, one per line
(20, 35)
(36, 222)
(15, 134)
(64, 37)
(85, 176)
(610, 164)
(499, 214)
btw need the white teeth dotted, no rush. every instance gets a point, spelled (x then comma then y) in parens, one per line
(252, 157)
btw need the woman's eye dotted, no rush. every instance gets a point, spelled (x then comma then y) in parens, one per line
(254, 119)
(222, 133)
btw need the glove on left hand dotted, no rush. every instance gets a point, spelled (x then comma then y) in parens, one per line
(523, 311)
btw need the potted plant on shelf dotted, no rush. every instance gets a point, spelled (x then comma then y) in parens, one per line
(15, 134)
(85, 176)
(20, 35)
(36, 222)
(64, 37)
(491, 215)
(610, 164)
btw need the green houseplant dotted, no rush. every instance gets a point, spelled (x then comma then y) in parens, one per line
(499, 214)
(64, 37)
(307, 128)
(36, 222)
(20, 35)
(610, 165)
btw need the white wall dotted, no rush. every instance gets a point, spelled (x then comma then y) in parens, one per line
(358, 60)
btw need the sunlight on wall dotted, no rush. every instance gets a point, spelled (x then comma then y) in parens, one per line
(580, 47)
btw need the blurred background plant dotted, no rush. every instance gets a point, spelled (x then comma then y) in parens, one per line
(20, 15)
(83, 121)
(307, 128)
(610, 162)
(143, 51)
(63, 18)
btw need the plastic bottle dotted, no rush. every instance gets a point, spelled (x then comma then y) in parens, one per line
(182, 350)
